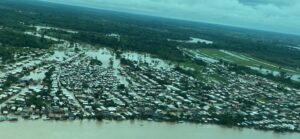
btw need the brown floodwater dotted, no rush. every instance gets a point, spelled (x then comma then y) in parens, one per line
(128, 130)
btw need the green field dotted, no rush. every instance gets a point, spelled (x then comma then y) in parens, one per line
(198, 72)
(244, 60)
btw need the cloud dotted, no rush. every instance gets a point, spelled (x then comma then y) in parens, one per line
(274, 15)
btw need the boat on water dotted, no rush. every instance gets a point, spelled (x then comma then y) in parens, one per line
(34, 117)
(12, 119)
(8, 118)
(46, 118)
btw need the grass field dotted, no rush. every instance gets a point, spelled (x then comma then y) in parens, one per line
(244, 60)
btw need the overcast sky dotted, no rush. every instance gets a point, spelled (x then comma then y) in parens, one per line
(273, 15)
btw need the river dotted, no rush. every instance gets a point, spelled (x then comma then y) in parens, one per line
(128, 130)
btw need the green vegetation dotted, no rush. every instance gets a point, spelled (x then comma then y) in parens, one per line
(194, 68)
(6, 54)
(34, 100)
(9, 81)
(145, 34)
(14, 38)
(246, 70)
(47, 81)
(95, 62)
(126, 62)
(244, 60)
(142, 33)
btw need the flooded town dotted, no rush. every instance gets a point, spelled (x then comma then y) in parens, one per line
(78, 81)
(151, 69)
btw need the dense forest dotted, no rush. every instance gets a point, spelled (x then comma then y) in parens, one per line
(139, 33)
(17, 39)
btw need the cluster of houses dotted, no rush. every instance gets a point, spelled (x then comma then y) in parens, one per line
(25, 61)
(28, 69)
(101, 95)
(39, 101)
(81, 77)
(258, 102)
(77, 89)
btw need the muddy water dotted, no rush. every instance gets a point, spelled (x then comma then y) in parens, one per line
(127, 130)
